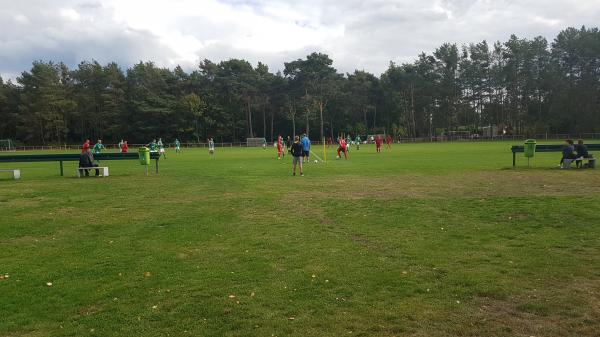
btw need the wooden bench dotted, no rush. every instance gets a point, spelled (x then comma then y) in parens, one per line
(567, 162)
(15, 173)
(547, 148)
(103, 169)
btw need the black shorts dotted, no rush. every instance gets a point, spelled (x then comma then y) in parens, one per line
(305, 153)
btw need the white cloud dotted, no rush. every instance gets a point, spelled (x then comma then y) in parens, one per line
(356, 34)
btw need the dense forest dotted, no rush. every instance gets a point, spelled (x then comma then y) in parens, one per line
(523, 86)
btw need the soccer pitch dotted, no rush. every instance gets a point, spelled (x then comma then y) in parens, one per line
(421, 240)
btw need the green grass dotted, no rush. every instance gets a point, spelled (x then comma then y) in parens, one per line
(424, 240)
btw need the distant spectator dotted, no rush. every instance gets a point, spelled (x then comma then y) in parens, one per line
(568, 151)
(86, 159)
(582, 152)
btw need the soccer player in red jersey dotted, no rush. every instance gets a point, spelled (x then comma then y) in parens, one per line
(378, 142)
(86, 146)
(279, 147)
(388, 141)
(342, 148)
(124, 147)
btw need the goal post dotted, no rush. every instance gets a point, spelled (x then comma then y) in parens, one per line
(256, 142)
(7, 145)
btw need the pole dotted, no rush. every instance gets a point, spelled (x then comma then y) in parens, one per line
(324, 151)
(61, 168)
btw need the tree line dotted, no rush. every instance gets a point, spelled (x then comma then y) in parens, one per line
(522, 86)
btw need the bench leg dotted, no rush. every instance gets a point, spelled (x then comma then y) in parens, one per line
(105, 172)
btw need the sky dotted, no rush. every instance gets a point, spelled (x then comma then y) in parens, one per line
(356, 34)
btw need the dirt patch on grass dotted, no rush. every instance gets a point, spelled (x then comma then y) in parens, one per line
(532, 315)
(90, 309)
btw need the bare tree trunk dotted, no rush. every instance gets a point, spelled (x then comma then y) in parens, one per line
(265, 119)
(321, 108)
(374, 117)
(307, 125)
(412, 111)
(272, 113)
(249, 119)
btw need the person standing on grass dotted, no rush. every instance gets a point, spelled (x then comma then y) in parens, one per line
(297, 152)
(378, 142)
(211, 146)
(348, 142)
(305, 148)
(342, 148)
(279, 147)
(284, 147)
(177, 146)
(152, 145)
(124, 147)
(98, 147)
(358, 140)
(161, 148)
(389, 141)
(86, 146)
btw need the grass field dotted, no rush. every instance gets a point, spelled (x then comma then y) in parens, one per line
(423, 240)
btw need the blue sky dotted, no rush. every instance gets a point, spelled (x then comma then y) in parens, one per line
(356, 34)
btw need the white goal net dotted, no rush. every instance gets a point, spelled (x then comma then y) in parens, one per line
(256, 142)
(7, 145)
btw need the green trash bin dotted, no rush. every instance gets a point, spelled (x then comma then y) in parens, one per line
(530, 148)
(144, 153)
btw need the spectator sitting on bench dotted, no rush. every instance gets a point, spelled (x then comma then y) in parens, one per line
(582, 152)
(86, 159)
(568, 151)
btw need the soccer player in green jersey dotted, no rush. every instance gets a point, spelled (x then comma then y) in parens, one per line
(161, 148)
(348, 142)
(357, 142)
(152, 145)
(98, 147)
(177, 146)
(211, 146)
